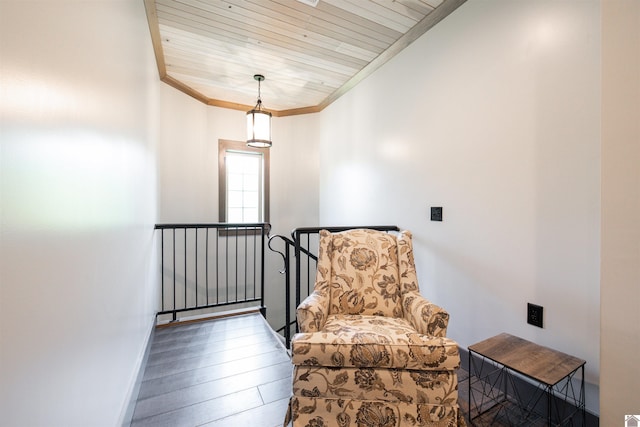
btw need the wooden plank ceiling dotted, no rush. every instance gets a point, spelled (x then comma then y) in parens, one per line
(310, 55)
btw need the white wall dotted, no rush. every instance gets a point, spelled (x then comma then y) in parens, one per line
(620, 290)
(295, 173)
(495, 116)
(186, 154)
(188, 162)
(294, 195)
(78, 90)
(188, 168)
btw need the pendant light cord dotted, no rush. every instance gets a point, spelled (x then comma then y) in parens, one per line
(259, 103)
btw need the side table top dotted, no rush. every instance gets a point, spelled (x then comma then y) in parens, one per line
(535, 361)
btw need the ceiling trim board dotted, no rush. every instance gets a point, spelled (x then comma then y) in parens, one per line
(156, 39)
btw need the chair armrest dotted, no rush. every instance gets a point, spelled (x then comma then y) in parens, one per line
(313, 311)
(427, 317)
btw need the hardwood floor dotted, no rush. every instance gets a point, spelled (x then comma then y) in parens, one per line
(226, 372)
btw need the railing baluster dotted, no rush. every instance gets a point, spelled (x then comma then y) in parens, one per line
(297, 255)
(245, 266)
(206, 265)
(255, 258)
(308, 264)
(174, 273)
(185, 267)
(236, 245)
(226, 271)
(287, 262)
(162, 268)
(217, 266)
(196, 266)
(263, 232)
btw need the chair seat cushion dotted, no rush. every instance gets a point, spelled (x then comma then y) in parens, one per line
(367, 341)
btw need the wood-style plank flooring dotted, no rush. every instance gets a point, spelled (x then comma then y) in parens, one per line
(225, 372)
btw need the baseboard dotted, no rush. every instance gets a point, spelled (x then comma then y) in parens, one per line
(527, 389)
(132, 397)
(208, 316)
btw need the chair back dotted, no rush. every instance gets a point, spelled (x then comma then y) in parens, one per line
(364, 272)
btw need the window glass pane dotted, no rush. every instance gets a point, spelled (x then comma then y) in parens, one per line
(234, 163)
(234, 199)
(234, 182)
(250, 164)
(244, 186)
(234, 215)
(252, 183)
(250, 199)
(250, 215)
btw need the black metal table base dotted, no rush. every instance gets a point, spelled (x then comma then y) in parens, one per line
(500, 396)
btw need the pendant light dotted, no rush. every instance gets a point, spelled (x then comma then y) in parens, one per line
(258, 122)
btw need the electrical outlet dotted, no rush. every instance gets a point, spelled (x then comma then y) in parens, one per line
(436, 214)
(534, 315)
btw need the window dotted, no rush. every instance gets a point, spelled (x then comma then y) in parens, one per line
(243, 176)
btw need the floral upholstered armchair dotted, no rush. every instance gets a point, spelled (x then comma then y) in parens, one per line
(372, 352)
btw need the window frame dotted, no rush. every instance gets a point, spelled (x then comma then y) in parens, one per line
(225, 145)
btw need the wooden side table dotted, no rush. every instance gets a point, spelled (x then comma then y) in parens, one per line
(503, 363)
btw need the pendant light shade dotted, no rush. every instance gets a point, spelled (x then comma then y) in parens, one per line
(258, 122)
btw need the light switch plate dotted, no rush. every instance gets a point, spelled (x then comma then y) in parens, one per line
(436, 214)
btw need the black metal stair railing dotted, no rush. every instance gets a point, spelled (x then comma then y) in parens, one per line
(302, 268)
(205, 266)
